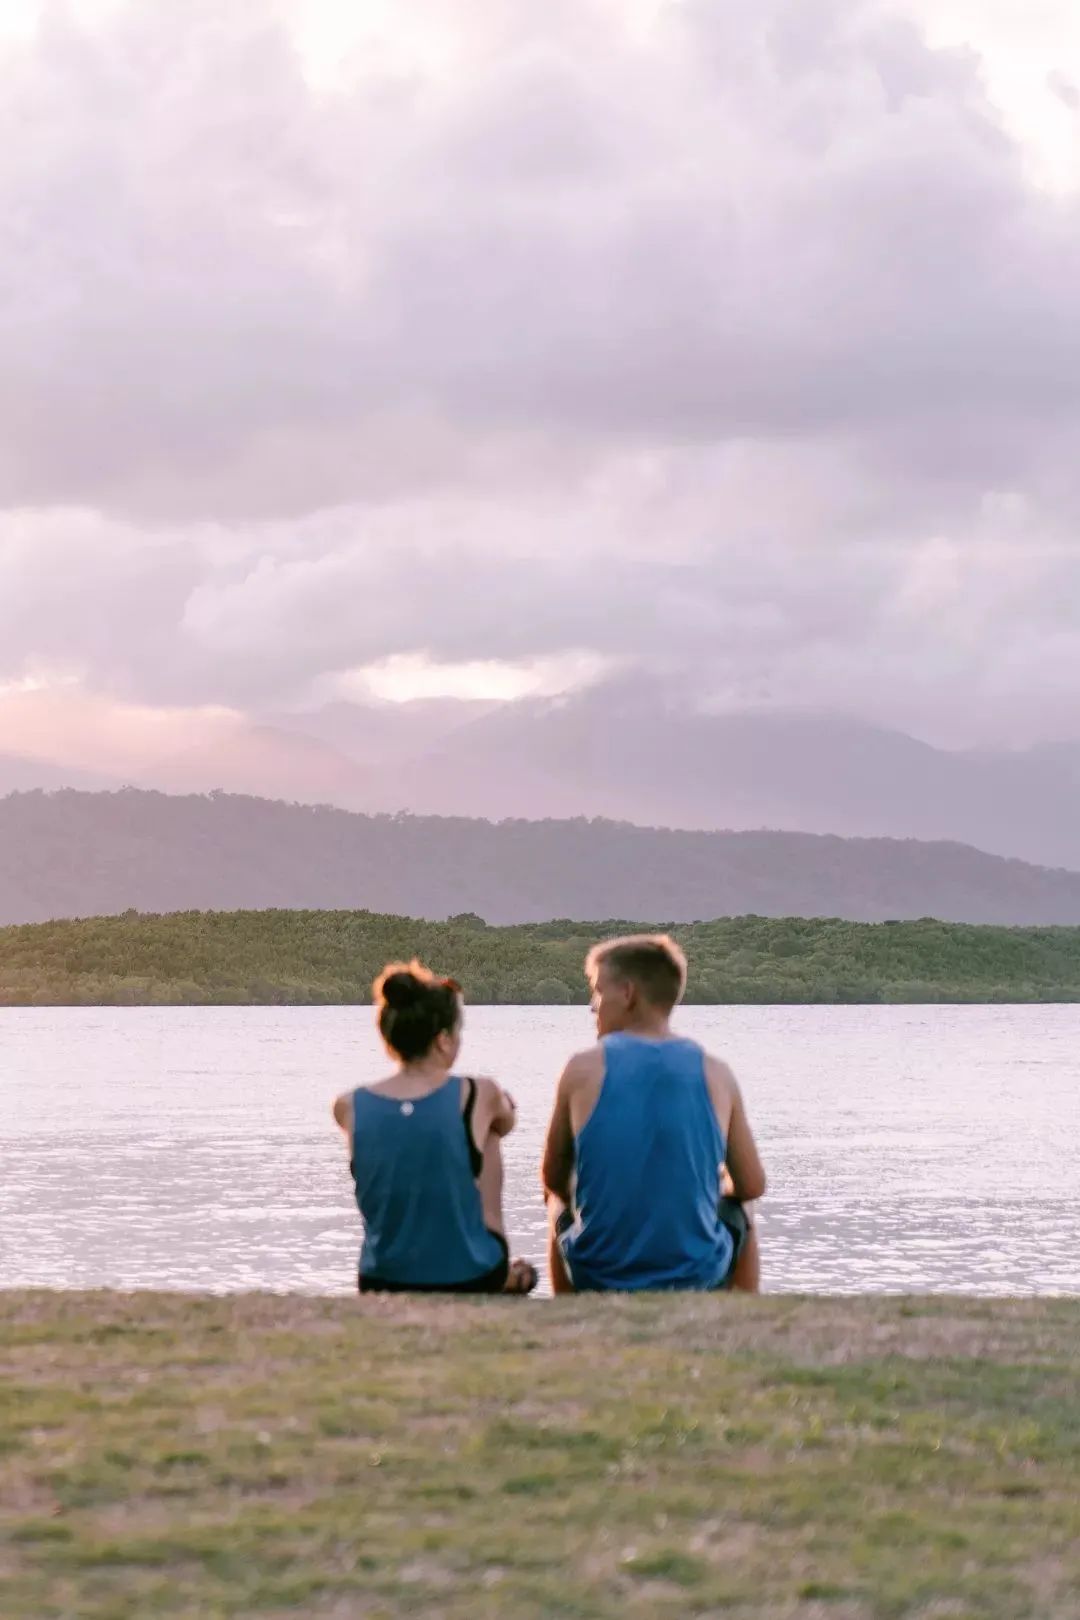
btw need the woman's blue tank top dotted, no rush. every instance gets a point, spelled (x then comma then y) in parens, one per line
(415, 1189)
(648, 1174)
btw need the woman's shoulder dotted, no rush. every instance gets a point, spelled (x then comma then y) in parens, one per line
(480, 1093)
(483, 1082)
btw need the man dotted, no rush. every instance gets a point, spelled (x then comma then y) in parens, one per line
(649, 1157)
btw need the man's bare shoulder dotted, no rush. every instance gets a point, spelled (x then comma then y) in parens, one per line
(583, 1069)
(721, 1078)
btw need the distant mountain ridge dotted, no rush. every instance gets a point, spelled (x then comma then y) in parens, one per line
(628, 751)
(72, 853)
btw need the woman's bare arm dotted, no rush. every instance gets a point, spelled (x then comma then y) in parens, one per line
(501, 1109)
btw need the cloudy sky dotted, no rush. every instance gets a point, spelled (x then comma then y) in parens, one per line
(493, 350)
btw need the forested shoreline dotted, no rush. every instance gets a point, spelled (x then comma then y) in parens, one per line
(330, 957)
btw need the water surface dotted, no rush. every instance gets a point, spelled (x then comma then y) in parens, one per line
(907, 1148)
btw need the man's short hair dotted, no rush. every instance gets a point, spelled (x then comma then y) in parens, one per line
(653, 962)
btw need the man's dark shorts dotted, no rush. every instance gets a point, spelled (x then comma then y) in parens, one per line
(732, 1215)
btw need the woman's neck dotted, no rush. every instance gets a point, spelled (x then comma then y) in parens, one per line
(425, 1074)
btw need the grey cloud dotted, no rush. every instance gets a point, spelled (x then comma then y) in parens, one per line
(944, 635)
(745, 352)
(230, 293)
(83, 596)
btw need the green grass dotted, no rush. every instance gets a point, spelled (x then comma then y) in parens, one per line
(260, 1456)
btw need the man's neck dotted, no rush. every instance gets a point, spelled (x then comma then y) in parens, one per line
(654, 1027)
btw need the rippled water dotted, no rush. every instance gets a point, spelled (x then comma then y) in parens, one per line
(907, 1148)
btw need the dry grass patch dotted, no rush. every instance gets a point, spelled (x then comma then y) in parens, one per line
(255, 1456)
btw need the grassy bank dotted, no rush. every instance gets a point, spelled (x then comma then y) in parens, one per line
(305, 957)
(843, 1460)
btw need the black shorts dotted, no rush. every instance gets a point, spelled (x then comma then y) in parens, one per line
(492, 1282)
(732, 1215)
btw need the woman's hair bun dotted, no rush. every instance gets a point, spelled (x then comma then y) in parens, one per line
(402, 989)
(414, 1007)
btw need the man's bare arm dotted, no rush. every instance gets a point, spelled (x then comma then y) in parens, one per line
(743, 1161)
(343, 1110)
(557, 1169)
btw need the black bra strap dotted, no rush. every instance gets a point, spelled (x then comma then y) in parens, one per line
(476, 1158)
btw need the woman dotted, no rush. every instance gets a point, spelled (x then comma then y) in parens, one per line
(425, 1152)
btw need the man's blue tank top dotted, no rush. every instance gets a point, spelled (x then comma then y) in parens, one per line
(648, 1174)
(415, 1189)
